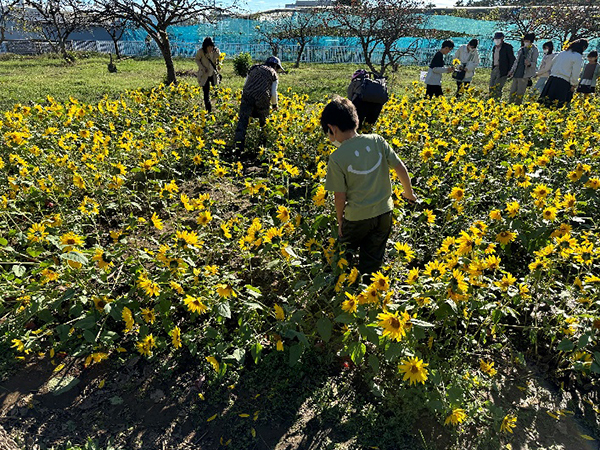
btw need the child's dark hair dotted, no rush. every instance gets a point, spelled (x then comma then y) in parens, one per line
(578, 46)
(208, 42)
(448, 43)
(529, 37)
(341, 113)
(593, 54)
(550, 46)
(473, 43)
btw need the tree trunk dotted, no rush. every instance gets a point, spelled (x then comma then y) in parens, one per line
(299, 57)
(165, 49)
(63, 49)
(117, 51)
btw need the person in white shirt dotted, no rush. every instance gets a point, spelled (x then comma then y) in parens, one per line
(564, 75)
(469, 60)
(545, 66)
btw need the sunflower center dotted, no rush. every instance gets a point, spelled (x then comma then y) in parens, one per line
(394, 322)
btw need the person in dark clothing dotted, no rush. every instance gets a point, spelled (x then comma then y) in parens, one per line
(436, 69)
(589, 74)
(503, 58)
(258, 96)
(368, 112)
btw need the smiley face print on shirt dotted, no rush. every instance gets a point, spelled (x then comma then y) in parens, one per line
(365, 172)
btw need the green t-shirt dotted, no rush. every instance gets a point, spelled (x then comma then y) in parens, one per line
(360, 167)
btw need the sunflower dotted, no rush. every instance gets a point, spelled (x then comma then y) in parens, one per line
(414, 370)
(225, 290)
(457, 416)
(194, 304)
(37, 232)
(457, 194)
(487, 368)
(381, 282)
(508, 423)
(404, 251)
(349, 305)
(70, 240)
(394, 325)
(146, 345)
(176, 337)
(435, 269)
(549, 213)
(505, 237)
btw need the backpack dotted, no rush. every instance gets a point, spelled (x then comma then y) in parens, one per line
(374, 90)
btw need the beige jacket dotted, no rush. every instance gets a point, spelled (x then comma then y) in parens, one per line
(205, 68)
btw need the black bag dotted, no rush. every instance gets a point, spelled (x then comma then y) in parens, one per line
(530, 83)
(374, 91)
(459, 75)
(216, 77)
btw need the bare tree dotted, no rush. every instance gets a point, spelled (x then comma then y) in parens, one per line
(378, 25)
(56, 20)
(6, 7)
(554, 20)
(302, 28)
(115, 29)
(269, 33)
(156, 16)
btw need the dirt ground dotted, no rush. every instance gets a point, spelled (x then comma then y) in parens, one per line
(139, 406)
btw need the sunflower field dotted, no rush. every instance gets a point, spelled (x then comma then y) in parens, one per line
(126, 230)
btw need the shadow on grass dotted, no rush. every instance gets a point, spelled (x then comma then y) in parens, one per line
(156, 404)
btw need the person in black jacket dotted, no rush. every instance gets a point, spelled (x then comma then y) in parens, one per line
(503, 58)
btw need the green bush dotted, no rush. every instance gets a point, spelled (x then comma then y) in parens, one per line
(242, 64)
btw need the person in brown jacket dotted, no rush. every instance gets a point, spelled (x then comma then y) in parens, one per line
(208, 58)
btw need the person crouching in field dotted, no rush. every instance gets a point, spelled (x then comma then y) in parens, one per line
(436, 69)
(358, 173)
(208, 59)
(258, 96)
(589, 74)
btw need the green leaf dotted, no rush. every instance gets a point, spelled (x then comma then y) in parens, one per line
(75, 257)
(324, 327)
(19, 271)
(565, 345)
(253, 291)
(583, 341)
(224, 310)
(86, 323)
(344, 318)
(295, 353)
(374, 363)
(357, 351)
(393, 351)
(455, 394)
(3, 242)
(256, 350)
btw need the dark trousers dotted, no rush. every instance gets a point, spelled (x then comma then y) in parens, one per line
(206, 91)
(433, 91)
(250, 107)
(367, 237)
(461, 86)
(368, 112)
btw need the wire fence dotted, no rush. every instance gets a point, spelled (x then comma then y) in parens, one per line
(288, 53)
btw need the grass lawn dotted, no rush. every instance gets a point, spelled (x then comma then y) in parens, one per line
(25, 79)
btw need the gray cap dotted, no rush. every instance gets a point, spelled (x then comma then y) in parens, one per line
(498, 35)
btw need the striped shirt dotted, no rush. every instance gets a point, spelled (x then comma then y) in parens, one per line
(261, 82)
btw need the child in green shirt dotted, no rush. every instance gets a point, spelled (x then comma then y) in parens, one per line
(359, 175)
